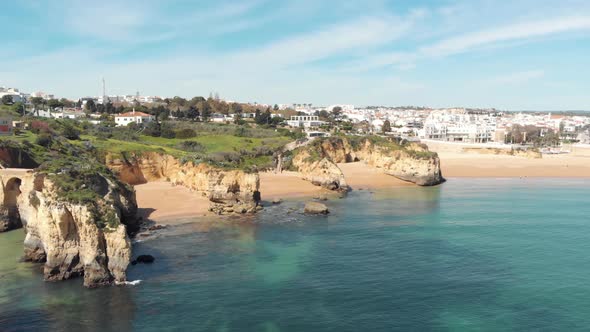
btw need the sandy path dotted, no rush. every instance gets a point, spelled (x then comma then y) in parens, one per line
(164, 203)
(358, 175)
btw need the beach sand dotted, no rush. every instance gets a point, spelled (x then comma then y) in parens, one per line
(166, 204)
(455, 164)
(286, 185)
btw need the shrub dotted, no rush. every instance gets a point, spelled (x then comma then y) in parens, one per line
(185, 133)
(152, 129)
(44, 140)
(240, 132)
(191, 146)
(39, 127)
(167, 132)
(70, 132)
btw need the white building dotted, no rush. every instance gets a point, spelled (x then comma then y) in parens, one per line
(457, 125)
(16, 95)
(305, 121)
(43, 95)
(124, 119)
(73, 114)
(221, 118)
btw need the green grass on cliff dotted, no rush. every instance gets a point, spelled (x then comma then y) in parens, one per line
(225, 146)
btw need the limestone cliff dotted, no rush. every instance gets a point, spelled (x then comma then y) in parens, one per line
(321, 172)
(222, 187)
(411, 162)
(73, 238)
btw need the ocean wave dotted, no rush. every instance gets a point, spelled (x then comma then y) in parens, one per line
(130, 283)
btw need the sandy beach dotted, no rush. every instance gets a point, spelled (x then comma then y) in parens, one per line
(286, 185)
(456, 163)
(165, 203)
(476, 165)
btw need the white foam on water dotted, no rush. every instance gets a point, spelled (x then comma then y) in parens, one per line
(129, 283)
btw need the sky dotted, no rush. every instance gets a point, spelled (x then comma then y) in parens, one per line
(514, 55)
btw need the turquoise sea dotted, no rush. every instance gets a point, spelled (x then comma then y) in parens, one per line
(470, 255)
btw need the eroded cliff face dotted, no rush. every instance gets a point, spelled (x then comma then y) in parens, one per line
(412, 162)
(224, 188)
(323, 172)
(74, 239)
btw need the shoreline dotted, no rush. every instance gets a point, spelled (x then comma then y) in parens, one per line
(167, 204)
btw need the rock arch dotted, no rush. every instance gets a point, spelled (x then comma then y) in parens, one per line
(9, 215)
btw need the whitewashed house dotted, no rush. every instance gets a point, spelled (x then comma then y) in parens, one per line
(124, 119)
(305, 121)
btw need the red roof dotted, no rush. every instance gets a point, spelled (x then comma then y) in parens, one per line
(132, 114)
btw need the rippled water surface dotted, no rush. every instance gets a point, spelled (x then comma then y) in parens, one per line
(473, 254)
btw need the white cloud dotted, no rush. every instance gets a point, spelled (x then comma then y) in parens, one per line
(333, 40)
(106, 20)
(506, 33)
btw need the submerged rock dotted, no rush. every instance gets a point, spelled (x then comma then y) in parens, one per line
(144, 259)
(316, 208)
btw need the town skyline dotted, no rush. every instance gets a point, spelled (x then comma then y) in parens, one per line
(130, 97)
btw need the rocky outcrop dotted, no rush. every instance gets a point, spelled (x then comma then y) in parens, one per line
(226, 189)
(316, 208)
(414, 163)
(411, 162)
(321, 172)
(74, 239)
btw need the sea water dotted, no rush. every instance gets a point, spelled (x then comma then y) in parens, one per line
(470, 255)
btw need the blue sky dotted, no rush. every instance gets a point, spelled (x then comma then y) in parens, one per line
(519, 54)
